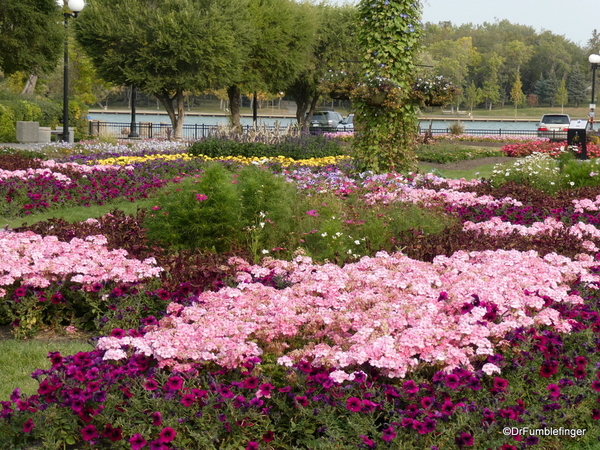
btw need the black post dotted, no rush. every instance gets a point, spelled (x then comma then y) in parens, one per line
(592, 113)
(65, 133)
(255, 109)
(132, 128)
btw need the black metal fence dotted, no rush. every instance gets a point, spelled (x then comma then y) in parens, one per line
(191, 132)
(150, 130)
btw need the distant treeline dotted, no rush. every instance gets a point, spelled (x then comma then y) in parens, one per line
(501, 62)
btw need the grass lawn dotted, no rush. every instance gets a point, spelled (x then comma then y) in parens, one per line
(483, 171)
(18, 359)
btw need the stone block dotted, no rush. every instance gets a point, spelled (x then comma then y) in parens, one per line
(27, 132)
(44, 135)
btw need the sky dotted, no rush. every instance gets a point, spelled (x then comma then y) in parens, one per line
(551, 15)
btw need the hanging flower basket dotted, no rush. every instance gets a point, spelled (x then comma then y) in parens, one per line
(433, 91)
(377, 99)
(340, 94)
(378, 91)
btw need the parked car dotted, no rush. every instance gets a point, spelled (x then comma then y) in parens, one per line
(325, 121)
(554, 126)
(347, 124)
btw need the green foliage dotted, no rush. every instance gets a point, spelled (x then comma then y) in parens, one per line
(389, 38)
(303, 147)
(171, 47)
(335, 40)
(548, 174)
(14, 108)
(444, 152)
(8, 131)
(30, 36)
(204, 214)
(538, 170)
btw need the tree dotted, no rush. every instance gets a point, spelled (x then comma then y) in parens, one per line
(562, 95)
(593, 43)
(31, 35)
(473, 96)
(281, 32)
(552, 85)
(335, 41)
(491, 88)
(165, 47)
(516, 93)
(577, 85)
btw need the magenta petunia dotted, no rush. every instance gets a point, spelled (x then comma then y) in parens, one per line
(89, 432)
(554, 390)
(28, 426)
(252, 445)
(167, 434)
(388, 434)
(137, 442)
(174, 383)
(156, 418)
(410, 387)
(150, 384)
(354, 404)
(302, 400)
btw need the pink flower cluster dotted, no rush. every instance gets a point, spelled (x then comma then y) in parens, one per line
(84, 168)
(32, 173)
(38, 261)
(430, 197)
(496, 227)
(388, 311)
(52, 165)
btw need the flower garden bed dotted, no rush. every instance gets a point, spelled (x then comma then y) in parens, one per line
(374, 311)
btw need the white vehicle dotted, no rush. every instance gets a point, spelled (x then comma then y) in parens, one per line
(347, 124)
(554, 127)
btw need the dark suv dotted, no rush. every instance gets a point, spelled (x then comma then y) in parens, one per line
(325, 121)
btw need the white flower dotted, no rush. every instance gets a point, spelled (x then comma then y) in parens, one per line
(490, 368)
(357, 242)
(265, 251)
(324, 234)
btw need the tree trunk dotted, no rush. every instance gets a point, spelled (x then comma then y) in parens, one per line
(306, 99)
(29, 88)
(235, 104)
(175, 108)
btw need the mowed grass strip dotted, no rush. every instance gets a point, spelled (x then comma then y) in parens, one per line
(18, 359)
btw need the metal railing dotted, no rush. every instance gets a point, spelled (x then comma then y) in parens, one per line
(191, 132)
(552, 135)
(150, 130)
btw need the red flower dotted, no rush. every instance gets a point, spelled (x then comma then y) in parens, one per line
(268, 436)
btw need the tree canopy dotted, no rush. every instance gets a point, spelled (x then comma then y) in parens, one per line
(31, 35)
(490, 55)
(165, 47)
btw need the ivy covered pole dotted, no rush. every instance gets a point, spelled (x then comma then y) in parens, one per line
(386, 117)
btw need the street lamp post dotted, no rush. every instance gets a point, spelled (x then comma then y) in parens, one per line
(132, 128)
(75, 6)
(594, 61)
